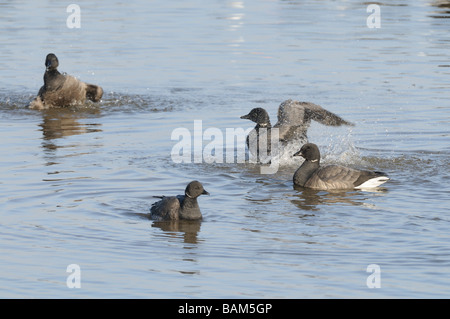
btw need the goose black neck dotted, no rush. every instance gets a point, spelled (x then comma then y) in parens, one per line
(305, 171)
(189, 202)
(190, 209)
(53, 79)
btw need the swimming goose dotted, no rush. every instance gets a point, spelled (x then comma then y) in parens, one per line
(294, 119)
(62, 89)
(181, 206)
(311, 175)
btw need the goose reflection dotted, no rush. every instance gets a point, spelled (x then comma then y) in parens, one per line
(444, 6)
(176, 228)
(309, 199)
(62, 122)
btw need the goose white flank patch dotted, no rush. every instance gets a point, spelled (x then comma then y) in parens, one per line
(311, 175)
(373, 182)
(181, 206)
(62, 89)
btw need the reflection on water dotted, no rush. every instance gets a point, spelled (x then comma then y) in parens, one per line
(441, 4)
(310, 199)
(173, 228)
(62, 122)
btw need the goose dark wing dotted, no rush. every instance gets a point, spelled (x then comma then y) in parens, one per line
(166, 209)
(295, 117)
(340, 177)
(333, 177)
(291, 122)
(290, 113)
(317, 113)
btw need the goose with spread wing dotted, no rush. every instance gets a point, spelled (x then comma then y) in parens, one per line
(294, 119)
(61, 89)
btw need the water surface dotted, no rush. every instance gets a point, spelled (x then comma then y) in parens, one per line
(76, 183)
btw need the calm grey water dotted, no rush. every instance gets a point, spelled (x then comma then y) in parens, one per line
(76, 183)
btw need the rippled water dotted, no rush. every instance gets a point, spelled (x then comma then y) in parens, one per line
(76, 183)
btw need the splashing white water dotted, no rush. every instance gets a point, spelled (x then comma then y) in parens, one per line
(335, 148)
